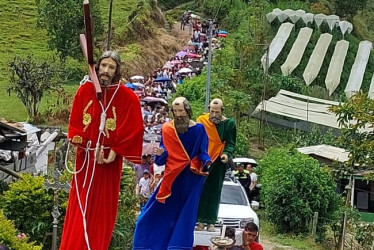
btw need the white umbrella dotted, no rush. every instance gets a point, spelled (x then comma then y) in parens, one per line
(137, 78)
(138, 84)
(185, 70)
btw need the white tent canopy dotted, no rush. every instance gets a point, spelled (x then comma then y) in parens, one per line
(345, 26)
(297, 51)
(295, 17)
(326, 151)
(371, 90)
(271, 17)
(308, 18)
(277, 11)
(303, 108)
(278, 43)
(336, 66)
(280, 14)
(319, 18)
(300, 107)
(316, 59)
(358, 68)
(332, 20)
(300, 12)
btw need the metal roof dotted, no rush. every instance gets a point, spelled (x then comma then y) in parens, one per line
(326, 151)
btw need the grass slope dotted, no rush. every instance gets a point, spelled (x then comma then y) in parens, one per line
(19, 37)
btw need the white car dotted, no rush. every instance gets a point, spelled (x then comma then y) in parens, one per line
(234, 211)
(245, 161)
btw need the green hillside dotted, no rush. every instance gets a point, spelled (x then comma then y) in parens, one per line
(138, 34)
(19, 36)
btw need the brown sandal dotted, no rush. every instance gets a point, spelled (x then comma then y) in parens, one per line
(200, 226)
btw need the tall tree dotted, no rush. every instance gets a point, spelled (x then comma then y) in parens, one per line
(356, 116)
(64, 21)
(30, 79)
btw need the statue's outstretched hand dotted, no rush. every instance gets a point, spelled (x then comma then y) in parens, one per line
(158, 151)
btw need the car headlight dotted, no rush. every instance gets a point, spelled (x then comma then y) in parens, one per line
(244, 222)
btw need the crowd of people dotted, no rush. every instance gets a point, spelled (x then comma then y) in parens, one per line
(156, 90)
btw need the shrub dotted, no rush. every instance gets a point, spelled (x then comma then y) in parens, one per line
(294, 186)
(8, 236)
(29, 205)
(364, 234)
(127, 208)
(3, 187)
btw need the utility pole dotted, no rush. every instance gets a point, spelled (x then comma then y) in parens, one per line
(207, 89)
(109, 24)
(261, 130)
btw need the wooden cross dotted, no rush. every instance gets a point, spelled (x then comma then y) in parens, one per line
(86, 41)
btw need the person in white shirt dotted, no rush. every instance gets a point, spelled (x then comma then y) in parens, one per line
(252, 187)
(144, 184)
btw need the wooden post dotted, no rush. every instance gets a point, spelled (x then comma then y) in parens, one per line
(347, 204)
(343, 231)
(314, 227)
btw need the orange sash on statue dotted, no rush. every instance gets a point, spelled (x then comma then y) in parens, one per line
(216, 146)
(177, 160)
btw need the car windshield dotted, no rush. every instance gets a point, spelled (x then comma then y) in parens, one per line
(233, 195)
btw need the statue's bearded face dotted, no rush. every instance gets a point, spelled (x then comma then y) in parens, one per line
(215, 114)
(181, 119)
(107, 70)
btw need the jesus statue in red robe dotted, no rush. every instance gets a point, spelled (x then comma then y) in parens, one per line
(105, 131)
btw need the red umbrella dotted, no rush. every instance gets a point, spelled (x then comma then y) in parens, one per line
(222, 35)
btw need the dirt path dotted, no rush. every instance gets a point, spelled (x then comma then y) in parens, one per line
(181, 34)
(268, 245)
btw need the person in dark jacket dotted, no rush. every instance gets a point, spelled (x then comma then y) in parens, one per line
(244, 177)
